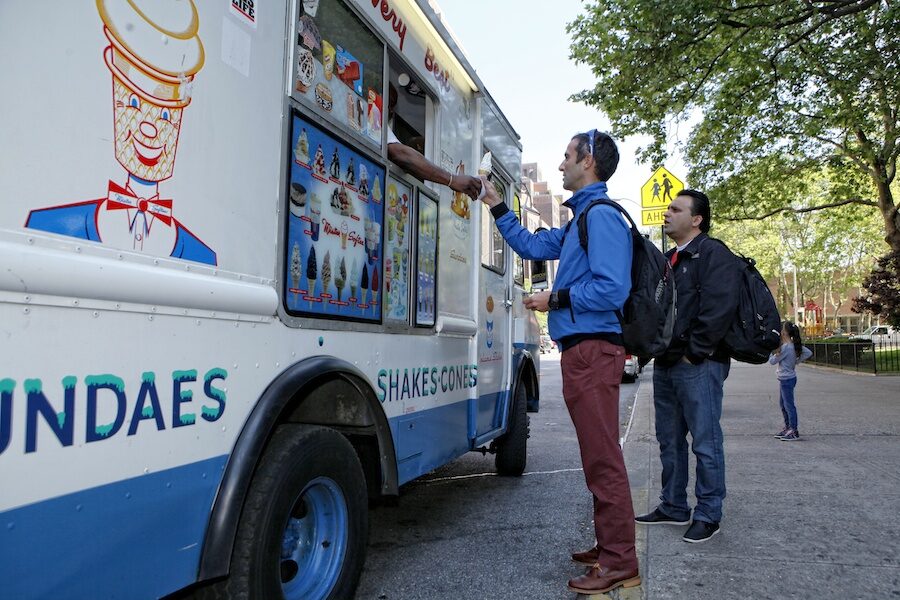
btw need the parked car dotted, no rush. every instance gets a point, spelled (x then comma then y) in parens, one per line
(632, 368)
(878, 334)
(547, 345)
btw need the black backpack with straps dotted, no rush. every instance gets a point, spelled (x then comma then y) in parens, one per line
(648, 317)
(755, 330)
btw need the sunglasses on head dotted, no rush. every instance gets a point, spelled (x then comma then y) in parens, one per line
(590, 134)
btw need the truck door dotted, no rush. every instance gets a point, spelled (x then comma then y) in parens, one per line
(494, 341)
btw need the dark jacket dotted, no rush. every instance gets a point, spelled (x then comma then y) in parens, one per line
(708, 281)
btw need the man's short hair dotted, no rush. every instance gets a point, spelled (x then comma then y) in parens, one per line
(699, 206)
(606, 155)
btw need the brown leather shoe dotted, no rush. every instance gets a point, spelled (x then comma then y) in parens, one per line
(599, 580)
(588, 557)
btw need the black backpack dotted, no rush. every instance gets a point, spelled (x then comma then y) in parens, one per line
(755, 330)
(648, 317)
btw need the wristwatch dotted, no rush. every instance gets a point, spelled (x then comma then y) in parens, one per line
(553, 303)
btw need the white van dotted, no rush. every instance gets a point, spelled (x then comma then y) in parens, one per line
(880, 334)
(227, 320)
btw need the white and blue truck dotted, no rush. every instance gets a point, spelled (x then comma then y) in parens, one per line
(227, 321)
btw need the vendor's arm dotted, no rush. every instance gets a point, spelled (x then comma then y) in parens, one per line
(413, 162)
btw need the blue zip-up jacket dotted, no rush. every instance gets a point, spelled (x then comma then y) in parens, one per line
(591, 286)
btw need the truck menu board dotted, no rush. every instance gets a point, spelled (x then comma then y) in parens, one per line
(334, 228)
(396, 258)
(426, 270)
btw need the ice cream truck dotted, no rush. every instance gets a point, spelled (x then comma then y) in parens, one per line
(229, 323)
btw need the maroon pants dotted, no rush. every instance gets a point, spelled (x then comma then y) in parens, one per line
(591, 373)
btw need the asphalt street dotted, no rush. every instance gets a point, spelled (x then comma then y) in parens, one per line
(462, 532)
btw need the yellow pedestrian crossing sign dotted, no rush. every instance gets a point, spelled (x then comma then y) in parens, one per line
(656, 194)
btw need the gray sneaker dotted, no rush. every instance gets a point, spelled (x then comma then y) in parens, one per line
(700, 531)
(790, 436)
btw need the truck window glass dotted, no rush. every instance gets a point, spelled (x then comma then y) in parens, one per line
(518, 262)
(338, 67)
(493, 248)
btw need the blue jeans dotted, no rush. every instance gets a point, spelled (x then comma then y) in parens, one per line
(688, 399)
(788, 408)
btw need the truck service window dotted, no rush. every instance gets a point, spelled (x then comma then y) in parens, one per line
(407, 107)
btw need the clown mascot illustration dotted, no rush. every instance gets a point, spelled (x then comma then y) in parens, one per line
(153, 56)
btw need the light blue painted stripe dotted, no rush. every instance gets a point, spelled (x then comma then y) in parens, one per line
(142, 537)
(137, 538)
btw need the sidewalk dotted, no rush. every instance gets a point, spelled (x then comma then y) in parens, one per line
(818, 518)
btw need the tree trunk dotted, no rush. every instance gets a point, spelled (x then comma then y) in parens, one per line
(888, 210)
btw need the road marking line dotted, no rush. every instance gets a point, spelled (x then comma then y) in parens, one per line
(474, 475)
(624, 438)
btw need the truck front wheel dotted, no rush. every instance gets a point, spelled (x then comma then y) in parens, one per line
(304, 527)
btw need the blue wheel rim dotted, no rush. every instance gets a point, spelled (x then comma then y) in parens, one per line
(314, 542)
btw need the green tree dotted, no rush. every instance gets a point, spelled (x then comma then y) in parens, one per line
(787, 90)
(828, 251)
(882, 295)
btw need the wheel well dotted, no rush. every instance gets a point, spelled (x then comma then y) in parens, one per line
(527, 374)
(319, 390)
(339, 402)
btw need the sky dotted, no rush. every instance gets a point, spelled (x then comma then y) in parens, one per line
(520, 50)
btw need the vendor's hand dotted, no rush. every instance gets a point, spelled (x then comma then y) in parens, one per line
(539, 301)
(491, 198)
(466, 184)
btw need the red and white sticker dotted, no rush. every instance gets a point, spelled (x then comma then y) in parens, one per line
(245, 11)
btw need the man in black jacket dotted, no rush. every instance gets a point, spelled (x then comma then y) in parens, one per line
(688, 379)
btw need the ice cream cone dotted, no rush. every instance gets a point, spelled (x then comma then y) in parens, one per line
(150, 80)
(310, 289)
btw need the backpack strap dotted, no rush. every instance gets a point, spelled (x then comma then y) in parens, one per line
(582, 220)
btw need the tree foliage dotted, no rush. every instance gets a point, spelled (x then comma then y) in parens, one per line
(882, 297)
(788, 91)
(828, 251)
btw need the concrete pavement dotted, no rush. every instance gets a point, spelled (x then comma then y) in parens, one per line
(818, 518)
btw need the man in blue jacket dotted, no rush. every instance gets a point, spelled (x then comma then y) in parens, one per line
(590, 287)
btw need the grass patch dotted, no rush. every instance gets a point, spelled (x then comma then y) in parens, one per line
(887, 361)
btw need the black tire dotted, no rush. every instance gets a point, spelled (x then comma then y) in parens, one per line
(512, 446)
(628, 378)
(297, 457)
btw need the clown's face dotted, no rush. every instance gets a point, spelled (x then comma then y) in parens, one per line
(146, 134)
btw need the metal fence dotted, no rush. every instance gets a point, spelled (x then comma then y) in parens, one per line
(867, 356)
